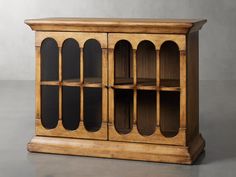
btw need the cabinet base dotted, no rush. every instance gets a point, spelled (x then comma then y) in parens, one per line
(119, 150)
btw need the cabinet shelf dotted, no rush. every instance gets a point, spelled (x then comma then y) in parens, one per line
(50, 82)
(90, 82)
(148, 84)
(71, 82)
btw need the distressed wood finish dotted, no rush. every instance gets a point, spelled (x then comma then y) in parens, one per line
(169, 26)
(143, 62)
(120, 150)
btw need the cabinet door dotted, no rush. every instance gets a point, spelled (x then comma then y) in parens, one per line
(71, 84)
(145, 89)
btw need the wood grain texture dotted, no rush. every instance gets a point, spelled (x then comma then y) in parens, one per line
(37, 83)
(119, 150)
(192, 86)
(170, 26)
(123, 61)
(169, 61)
(157, 39)
(156, 138)
(60, 80)
(81, 132)
(146, 61)
(146, 91)
(80, 37)
(146, 112)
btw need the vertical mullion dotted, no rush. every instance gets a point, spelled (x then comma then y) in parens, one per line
(183, 89)
(81, 84)
(134, 68)
(81, 65)
(37, 84)
(111, 71)
(104, 84)
(158, 80)
(60, 80)
(135, 90)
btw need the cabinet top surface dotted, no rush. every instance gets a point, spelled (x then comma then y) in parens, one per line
(116, 25)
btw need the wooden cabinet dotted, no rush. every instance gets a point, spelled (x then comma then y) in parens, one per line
(118, 88)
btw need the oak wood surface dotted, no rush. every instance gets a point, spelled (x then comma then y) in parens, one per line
(174, 26)
(120, 150)
(147, 71)
(192, 86)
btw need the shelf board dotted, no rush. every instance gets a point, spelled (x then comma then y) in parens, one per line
(146, 87)
(169, 89)
(130, 86)
(93, 82)
(147, 84)
(92, 85)
(71, 82)
(124, 83)
(55, 83)
(90, 82)
(169, 85)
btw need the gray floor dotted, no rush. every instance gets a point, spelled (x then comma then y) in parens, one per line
(217, 120)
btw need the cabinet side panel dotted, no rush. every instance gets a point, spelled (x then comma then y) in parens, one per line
(192, 86)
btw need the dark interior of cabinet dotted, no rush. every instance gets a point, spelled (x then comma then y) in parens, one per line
(123, 111)
(123, 63)
(169, 64)
(145, 59)
(92, 109)
(169, 113)
(49, 53)
(92, 61)
(70, 60)
(146, 112)
(49, 106)
(71, 107)
(146, 63)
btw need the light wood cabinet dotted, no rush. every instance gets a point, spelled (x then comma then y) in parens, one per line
(118, 88)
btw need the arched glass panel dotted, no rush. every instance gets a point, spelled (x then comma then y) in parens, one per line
(49, 53)
(170, 64)
(70, 60)
(170, 113)
(123, 63)
(92, 109)
(92, 61)
(70, 107)
(49, 106)
(146, 112)
(123, 110)
(146, 63)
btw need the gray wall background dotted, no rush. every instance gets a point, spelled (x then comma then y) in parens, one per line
(217, 38)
